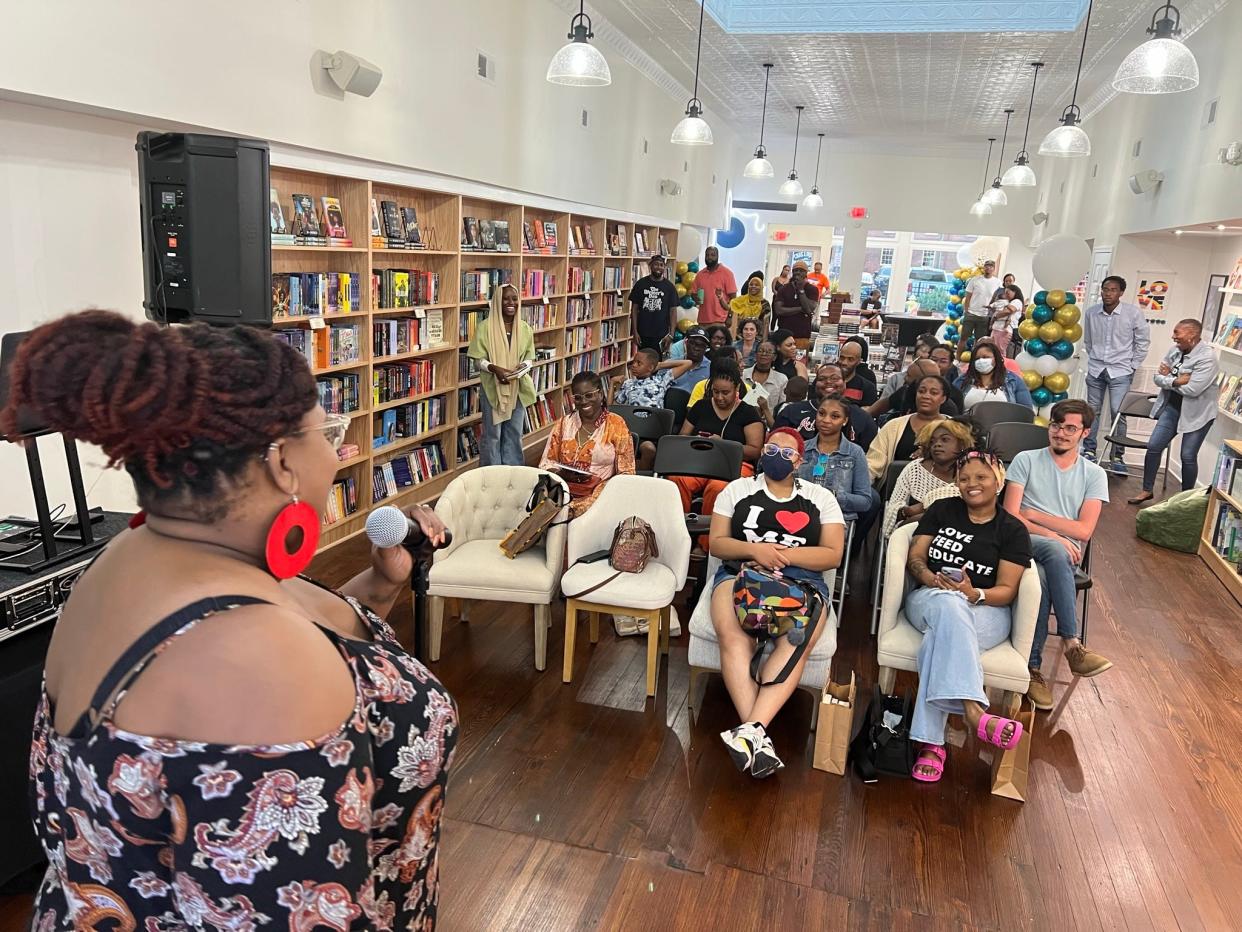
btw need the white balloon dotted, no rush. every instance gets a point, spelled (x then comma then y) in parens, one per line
(964, 258)
(1061, 261)
(1068, 366)
(1046, 365)
(1025, 361)
(985, 247)
(690, 242)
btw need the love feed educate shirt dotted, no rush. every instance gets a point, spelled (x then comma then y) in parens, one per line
(977, 549)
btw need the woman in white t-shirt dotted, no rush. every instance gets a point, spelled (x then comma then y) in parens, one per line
(1006, 314)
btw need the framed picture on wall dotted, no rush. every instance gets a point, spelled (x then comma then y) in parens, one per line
(1213, 303)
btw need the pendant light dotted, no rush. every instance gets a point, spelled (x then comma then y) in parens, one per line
(579, 64)
(759, 166)
(995, 196)
(792, 187)
(1069, 141)
(981, 208)
(813, 201)
(1020, 174)
(1162, 64)
(693, 129)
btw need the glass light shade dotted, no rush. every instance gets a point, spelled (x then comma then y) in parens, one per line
(980, 208)
(692, 131)
(1018, 175)
(791, 187)
(1158, 66)
(758, 167)
(995, 196)
(1066, 142)
(813, 200)
(579, 64)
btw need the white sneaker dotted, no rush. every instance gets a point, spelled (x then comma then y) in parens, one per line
(628, 625)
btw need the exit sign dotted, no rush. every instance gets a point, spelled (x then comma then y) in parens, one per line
(780, 235)
(858, 213)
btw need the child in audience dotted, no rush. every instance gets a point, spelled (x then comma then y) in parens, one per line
(646, 383)
(797, 412)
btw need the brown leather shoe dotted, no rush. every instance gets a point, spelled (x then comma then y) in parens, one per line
(1038, 692)
(1085, 662)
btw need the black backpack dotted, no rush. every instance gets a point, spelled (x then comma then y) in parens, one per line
(884, 749)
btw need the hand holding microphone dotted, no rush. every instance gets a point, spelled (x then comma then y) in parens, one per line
(396, 535)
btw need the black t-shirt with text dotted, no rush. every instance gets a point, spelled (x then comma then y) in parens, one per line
(655, 299)
(703, 418)
(977, 549)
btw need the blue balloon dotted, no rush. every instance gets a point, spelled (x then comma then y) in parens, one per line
(953, 313)
(693, 266)
(1069, 298)
(732, 237)
(1041, 297)
(1062, 349)
(1060, 396)
(1043, 313)
(687, 301)
(1041, 396)
(1036, 347)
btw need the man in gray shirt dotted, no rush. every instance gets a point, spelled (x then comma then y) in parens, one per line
(1116, 336)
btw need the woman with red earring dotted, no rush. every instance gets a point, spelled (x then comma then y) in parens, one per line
(219, 735)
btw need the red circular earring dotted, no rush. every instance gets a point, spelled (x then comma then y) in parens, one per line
(281, 562)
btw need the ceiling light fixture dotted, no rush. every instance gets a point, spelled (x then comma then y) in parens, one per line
(1069, 140)
(1162, 64)
(693, 129)
(1020, 174)
(792, 187)
(813, 200)
(995, 196)
(981, 208)
(759, 166)
(579, 64)
(1178, 232)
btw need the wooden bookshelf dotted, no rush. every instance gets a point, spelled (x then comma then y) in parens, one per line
(441, 222)
(1220, 501)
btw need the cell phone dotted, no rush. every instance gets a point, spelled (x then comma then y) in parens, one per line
(952, 572)
(595, 557)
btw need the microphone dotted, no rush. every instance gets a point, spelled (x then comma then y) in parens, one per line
(388, 526)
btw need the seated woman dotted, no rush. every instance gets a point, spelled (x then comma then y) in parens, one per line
(751, 305)
(748, 341)
(896, 439)
(588, 446)
(839, 465)
(781, 523)
(987, 379)
(967, 556)
(787, 362)
(929, 478)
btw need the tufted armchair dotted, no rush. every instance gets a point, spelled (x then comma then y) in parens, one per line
(480, 507)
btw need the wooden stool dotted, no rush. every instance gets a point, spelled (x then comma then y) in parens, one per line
(658, 620)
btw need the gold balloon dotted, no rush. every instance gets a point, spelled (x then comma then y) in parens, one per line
(964, 356)
(688, 280)
(1032, 379)
(686, 323)
(1028, 330)
(681, 291)
(1067, 314)
(1030, 311)
(1057, 382)
(1041, 421)
(1073, 333)
(1050, 332)
(955, 299)
(1056, 299)
(682, 268)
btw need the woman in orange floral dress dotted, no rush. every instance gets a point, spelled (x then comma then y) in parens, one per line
(588, 446)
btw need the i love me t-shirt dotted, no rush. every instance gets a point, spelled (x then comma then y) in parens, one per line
(976, 549)
(759, 517)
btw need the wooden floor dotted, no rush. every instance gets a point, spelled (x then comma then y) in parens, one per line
(581, 806)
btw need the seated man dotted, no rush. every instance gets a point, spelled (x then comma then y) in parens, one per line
(797, 412)
(1058, 495)
(830, 381)
(858, 388)
(696, 353)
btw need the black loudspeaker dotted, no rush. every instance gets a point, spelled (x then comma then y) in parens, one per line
(206, 248)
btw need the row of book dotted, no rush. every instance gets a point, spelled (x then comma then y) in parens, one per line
(536, 283)
(580, 279)
(477, 284)
(467, 368)
(342, 500)
(540, 316)
(391, 336)
(545, 377)
(409, 469)
(401, 380)
(395, 227)
(468, 403)
(335, 345)
(578, 339)
(538, 415)
(539, 236)
(579, 310)
(310, 294)
(612, 355)
(339, 394)
(587, 362)
(468, 443)
(1227, 476)
(1230, 397)
(406, 421)
(614, 275)
(611, 301)
(608, 333)
(309, 224)
(1230, 333)
(485, 235)
(404, 287)
(1227, 536)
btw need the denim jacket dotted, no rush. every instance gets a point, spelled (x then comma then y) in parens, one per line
(843, 473)
(1015, 389)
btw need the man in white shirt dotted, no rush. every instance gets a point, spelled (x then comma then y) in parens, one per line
(1115, 335)
(975, 311)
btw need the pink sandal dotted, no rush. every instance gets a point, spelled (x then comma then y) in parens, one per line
(931, 757)
(995, 737)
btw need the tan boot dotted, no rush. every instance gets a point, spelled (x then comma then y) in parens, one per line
(1038, 692)
(1085, 662)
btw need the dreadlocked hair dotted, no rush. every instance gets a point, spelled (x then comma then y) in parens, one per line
(183, 409)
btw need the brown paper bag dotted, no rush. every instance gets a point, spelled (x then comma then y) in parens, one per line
(836, 725)
(1010, 769)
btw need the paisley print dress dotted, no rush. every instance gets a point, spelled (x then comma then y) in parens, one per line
(155, 834)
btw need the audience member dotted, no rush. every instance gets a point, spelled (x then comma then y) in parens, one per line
(987, 379)
(653, 306)
(796, 306)
(1115, 337)
(930, 477)
(749, 337)
(1185, 407)
(819, 280)
(858, 388)
(896, 439)
(797, 412)
(722, 353)
(784, 525)
(902, 401)
(713, 289)
(781, 280)
(504, 346)
(763, 380)
(976, 314)
(923, 345)
(942, 356)
(1058, 495)
(967, 556)
(864, 348)
(1006, 312)
(840, 466)
(588, 446)
(787, 362)
(646, 383)
(828, 382)
(872, 302)
(752, 306)
(696, 354)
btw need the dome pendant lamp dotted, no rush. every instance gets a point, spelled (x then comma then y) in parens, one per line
(759, 166)
(1069, 141)
(995, 196)
(981, 208)
(579, 64)
(1020, 174)
(792, 187)
(813, 201)
(1162, 64)
(693, 129)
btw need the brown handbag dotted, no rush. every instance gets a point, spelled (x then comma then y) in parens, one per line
(633, 546)
(545, 503)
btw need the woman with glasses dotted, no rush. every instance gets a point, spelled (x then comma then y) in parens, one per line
(929, 478)
(180, 763)
(783, 524)
(504, 348)
(967, 558)
(588, 446)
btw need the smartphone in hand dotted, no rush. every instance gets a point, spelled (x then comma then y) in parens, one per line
(953, 573)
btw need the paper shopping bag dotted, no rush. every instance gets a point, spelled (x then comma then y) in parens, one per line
(1011, 769)
(836, 725)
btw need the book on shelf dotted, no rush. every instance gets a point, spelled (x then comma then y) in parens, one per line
(312, 294)
(468, 443)
(576, 239)
(347, 451)
(280, 230)
(528, 237)
(305, 226)
(1234, 282)
(477, 284)
(1229, 398)
(394, 381)
(338, 394)
(394, 227)
(408, 420)
(549, 234)
(1230, 333)
(334, 221)
(1227, 476)
(413, 235)
(419, 287)
(342, 500)
(663, 245)
(590, 240)
(377, 226)
(501, 229)
(468, 403)
(487, 235)
(470, 238)
(538, 415)
(337, 345)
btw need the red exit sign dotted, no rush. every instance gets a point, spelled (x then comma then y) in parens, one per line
(858, 213)
(780, 235)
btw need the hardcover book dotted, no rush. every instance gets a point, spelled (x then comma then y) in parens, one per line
(394, 227)
(334, 220)
(487, 235)
(376, 228)
(576, 238)
(528, 240)
(590, 241)
(305, 221)
(412, 234)
(277, 215)
(549, 234)
(501, 229)
(471, 230)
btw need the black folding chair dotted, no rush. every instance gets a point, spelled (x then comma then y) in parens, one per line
(1007, 440)
(987, 414)
(677, 400)
(1136, 405)
(646, 423)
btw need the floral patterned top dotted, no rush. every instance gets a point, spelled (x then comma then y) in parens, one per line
(157, 834)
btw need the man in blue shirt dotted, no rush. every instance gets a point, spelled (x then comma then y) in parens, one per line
(696, 349)
(1116, 336)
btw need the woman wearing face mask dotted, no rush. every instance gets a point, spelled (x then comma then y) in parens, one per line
(967, 556)
(781, 523)
(504, 346)
(588, 446)
(929, 478)
(987, 379)
(897, 439)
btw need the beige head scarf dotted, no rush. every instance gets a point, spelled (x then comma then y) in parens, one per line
(502, 350)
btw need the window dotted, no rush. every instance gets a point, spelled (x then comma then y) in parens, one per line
(886, 257)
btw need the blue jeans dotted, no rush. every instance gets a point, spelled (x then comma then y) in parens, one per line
(1116, 386)
(955, 634)
(1057, 593)
(1161, 436)
(501, 443)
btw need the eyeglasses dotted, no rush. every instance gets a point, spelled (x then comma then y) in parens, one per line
(1068, 429)
(775, 449)
(333, 428)
(585, 396)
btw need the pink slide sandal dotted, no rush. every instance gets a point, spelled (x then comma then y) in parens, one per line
(932, 757)
(995, 737)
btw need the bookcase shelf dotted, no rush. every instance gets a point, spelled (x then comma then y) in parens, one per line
(606, 245)
(1223, 523)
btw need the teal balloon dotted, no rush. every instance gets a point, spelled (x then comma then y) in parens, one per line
(693, 266)
(1036, 347)
(1041, 396)
(1059, 396)
(1069, 298)
(1041, 297)
(687, 301)
(1062, 349)
(1043, 314)
(953, 313)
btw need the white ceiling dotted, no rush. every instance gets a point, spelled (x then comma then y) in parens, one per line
(940, 92)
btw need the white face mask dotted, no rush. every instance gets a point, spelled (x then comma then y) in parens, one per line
(984, 366)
